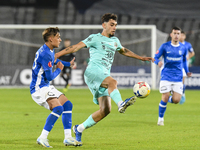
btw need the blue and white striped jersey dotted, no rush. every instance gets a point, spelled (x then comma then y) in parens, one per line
(42, 68)
(174, 60)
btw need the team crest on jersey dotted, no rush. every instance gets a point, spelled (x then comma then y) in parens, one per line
(115, 44)
(157, 51)
(180, 52)
(49, 64)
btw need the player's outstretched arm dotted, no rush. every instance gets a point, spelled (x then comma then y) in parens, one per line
(126, 52)
(70, 49)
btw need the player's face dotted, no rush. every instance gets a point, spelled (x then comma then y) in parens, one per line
(182, 37)
(55, 40)
(175, 35)
(110, 27)
(67, 43)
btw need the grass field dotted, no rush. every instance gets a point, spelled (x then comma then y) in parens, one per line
(22, 120)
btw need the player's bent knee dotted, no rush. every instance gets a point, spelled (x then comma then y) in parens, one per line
(58, 110)
(105, 111)
(68, 105)
(113, 82)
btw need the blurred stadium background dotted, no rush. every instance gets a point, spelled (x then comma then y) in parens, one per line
(18, 46)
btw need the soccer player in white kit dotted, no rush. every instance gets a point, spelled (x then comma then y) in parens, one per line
(174, 55)
(47, 95)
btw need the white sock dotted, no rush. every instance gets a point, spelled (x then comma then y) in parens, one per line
(67, 133)
(80, 128)
(44, 134)
(160, 119)
(119, 103)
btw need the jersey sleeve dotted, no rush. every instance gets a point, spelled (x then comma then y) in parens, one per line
(89, 41)
(190, 48)
(185, 66)
(46, 62)
(158, 54)
(119, 46)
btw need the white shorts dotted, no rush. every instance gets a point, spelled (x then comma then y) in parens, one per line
(40, 96)
(184, 73)
(167, 86)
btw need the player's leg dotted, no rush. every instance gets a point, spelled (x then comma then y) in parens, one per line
(183, 95)
(104, 110)
(162, 108)
(57, 110)
(68, 77)
(63, 74)
(165, 88)
(111, 85)
(178, 91)
(67, 121)
(47, 97)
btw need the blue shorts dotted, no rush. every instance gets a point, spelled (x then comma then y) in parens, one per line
(94, 76)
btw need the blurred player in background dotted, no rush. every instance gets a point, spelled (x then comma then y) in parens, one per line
(189, 56)
(47, 95)
(174, 54)
(97, 74)
(66, 72)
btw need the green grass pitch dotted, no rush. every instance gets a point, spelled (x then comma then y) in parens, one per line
(22, 120)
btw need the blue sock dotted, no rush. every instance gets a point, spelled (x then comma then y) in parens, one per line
(184, 88)
(116, 96)
(89, 122)
(170, 100)
(52, 118)
(162, 108)
(67, 115)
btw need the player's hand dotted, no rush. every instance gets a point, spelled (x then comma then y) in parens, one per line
(189, 74)
(160, 63)
(60, 65)
(148, 59)
(72, 62)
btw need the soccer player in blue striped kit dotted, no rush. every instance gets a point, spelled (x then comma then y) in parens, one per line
(97, 75)
(47, 95)
(174, 55)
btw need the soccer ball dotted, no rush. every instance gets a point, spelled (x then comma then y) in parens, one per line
(141, 89)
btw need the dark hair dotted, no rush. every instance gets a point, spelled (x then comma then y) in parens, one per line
(183, 32)
(67, 39)
(176, 28)
(49, 32)
(106, 17)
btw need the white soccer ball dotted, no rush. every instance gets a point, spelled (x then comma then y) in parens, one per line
(141, 89)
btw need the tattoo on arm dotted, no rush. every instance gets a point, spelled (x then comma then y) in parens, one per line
(126, 50)
(68, 48)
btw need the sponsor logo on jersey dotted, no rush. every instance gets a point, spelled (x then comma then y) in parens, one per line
(115, 45)
(157, 51)
(49, 64)
(174, 58)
